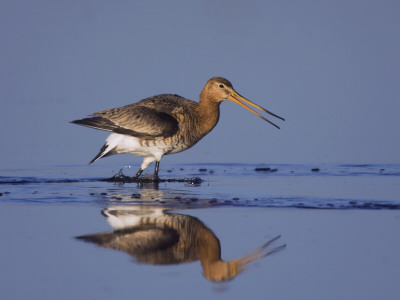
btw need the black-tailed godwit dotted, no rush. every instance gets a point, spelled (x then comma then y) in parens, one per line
(164, 124)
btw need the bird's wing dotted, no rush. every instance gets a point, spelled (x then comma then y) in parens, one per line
(135, 240)
(136, 120)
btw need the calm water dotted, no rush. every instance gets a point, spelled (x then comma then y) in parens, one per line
(68, 234)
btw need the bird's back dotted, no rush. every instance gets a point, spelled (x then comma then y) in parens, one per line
(170, 104)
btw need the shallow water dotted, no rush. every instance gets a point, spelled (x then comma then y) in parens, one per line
(342, 244)
(309, 186)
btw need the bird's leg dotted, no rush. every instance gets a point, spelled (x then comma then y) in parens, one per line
(138, 173)
(145, 164)
(156, 168)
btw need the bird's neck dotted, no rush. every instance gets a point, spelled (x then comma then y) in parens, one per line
(209, 248)
(208, 112)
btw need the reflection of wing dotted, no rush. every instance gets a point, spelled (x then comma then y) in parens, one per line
(136, 240)
(148, 118)
(146, 243)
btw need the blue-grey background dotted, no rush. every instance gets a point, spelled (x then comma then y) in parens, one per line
(331, 68)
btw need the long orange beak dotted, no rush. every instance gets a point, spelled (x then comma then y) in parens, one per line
(235, 97)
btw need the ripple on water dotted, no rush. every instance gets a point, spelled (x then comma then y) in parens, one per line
(351, 186)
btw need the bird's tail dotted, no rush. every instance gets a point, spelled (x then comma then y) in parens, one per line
(106, 150)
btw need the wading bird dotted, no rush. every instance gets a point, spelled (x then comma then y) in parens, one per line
(164, 124)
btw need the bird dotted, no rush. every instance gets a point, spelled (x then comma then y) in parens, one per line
(165, 124)
(153, 235)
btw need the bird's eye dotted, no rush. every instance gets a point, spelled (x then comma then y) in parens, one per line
(221, 86)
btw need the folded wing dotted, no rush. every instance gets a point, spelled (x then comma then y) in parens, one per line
(136, 120)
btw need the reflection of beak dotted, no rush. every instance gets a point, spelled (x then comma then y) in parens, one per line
(218, 270)
(235, 97)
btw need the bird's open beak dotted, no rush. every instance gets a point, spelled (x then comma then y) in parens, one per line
(235, 97)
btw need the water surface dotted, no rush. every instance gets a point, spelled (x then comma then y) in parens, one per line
(68, 234)
(312, 186)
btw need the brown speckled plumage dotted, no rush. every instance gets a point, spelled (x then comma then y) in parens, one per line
(163, 124)
(158, 237)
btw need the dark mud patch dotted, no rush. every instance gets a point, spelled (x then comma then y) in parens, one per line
(121, 178)
(33, 180)
(266, 169)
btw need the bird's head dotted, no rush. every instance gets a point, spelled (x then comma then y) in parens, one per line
(219, 89)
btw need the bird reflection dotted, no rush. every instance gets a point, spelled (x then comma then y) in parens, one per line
(152, 235)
